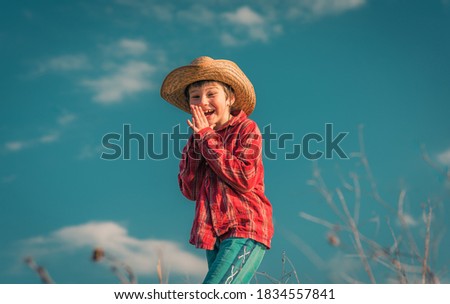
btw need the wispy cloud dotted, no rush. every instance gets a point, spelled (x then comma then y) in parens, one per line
(19, 145)
(127, 47)
(198, 14)
(160, 11)
(126, 70)
(66, 119)
(63, 63)
(444, 157)
(14, 146)
(89, 152)
(311, 9)
(247, 25)
(140, 254)
(9, 178)
(256, 21)
(127, 79)
(51, 136)
(48, 138)
(245, 16)
(133, 46)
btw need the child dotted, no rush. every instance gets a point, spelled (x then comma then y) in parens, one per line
(221, 167)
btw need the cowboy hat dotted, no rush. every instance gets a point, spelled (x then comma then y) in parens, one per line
(207, 68)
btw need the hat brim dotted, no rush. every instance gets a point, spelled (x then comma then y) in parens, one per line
(176, 82)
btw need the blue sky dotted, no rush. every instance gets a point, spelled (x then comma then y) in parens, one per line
(75, 71)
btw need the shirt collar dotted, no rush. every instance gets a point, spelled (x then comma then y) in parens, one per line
(237, 116)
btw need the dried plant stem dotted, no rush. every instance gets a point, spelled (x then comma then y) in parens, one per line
(117, 267)
(397, 263)
(285, 275)
(159, 271)
(303, 247)
(41, 271)
(357, 189)
(365, 162)
(356, 236)
(320, 185)
(425, 270)
(401, 217)
(319, 221)
(288, 274)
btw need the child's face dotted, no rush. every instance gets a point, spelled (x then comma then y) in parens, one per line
(211, 98)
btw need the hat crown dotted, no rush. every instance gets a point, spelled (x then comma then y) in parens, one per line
(202, 60)
(207, 68)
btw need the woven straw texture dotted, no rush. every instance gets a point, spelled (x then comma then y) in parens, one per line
(206, 68)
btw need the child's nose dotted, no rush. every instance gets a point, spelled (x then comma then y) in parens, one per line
(203, 100)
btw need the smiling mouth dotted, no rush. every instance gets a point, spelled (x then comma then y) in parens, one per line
(208, 113)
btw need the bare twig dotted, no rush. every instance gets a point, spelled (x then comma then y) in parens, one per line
(320, 185)
(41, 271)
(357, 189)
(159, 271)
(404, 224)
(404, 246)
(397, 263)
(288, 274)
(117, 267)
(363, 157)
(427, 246)
(285, 275)
(319, 221)
(303, 247)
(356, 236)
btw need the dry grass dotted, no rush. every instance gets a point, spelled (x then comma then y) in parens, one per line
(403, 260)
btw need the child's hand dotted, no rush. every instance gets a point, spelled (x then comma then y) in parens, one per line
(199, 120)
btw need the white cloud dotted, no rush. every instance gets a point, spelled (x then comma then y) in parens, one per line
(126, 80)
(15, 146)
(164, 12)
(140, 254)
(247, 25)
(444, 158)
(125, 47)
(19, 145)
(48, 138)
(341, 267)
(407, 220)
(257, 21)
(229, 40)
(66, 119)
(308, 9)
(63, 63)
(133, 47)
(89, 152)
(244, 16)
(9, 178)
(198, 14)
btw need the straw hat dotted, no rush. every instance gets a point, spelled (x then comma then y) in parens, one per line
(206, 68)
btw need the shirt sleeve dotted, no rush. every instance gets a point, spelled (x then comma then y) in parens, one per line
(239, 167)
(190, 161)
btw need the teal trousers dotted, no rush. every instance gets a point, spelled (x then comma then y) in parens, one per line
(233, 261)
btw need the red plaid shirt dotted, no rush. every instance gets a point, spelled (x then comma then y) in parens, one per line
(223, 172)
